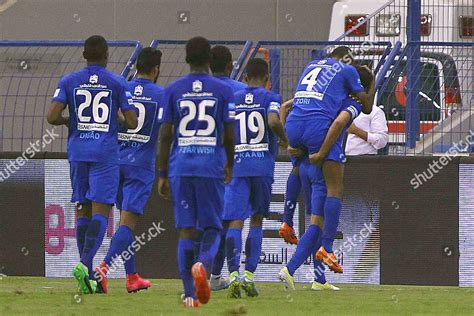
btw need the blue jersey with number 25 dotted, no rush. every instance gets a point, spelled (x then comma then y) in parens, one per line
(198, 105)
(93, 96)
(325, 83)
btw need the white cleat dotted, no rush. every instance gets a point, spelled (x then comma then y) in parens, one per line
(316, 286)
(286, 278)
(218, 283)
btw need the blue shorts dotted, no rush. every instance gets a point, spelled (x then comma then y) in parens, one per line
(314, 187)
(94, 181)
(311, 134)
(197, 202)
(135, 186)
(247, 196)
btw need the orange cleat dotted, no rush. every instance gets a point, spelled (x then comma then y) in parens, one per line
(190, 302)
(203, 292)
(101, 277)
(136, 283)
(329, 259)
(288, 234)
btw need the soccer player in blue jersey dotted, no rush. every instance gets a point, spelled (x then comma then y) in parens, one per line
(257, 130)
(313, 178)
(138, 147)
(94, 96)
(198, 123)
(221, 67)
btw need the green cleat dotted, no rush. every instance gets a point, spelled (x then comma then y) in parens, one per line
(81, 274)
(249, 285)
(234, 285)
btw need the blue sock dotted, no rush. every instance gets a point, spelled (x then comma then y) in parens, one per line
(293, 188)
(253, 248)
(220, 256)
(130, 265)
(233, 248)
(185, 263)
(122, 238)
(81, 229)
(197, 243)
(332, 211)
(306, 246)
(319, 267)
(94, 237)
(209, 245)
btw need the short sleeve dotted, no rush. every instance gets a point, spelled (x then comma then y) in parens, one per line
(125, 97)
(60, 94)
(352, 79)
(275, 103)
(352, 107)
(229, 105)
(167, 107)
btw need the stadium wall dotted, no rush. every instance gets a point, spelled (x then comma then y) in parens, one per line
(146, 20)
(390, 232)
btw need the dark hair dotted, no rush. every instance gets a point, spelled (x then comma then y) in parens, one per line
(365, 77)
(198, 51)
(340, 52)
(221, 57)
(148, 59)
(257, 68)
(95, 48)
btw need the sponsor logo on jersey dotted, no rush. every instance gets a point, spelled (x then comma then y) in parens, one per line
(197, 86)
(138, 90)
(249, 98)
(94, 79)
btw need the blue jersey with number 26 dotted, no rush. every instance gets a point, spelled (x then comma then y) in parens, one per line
(255, 143)
(93, 95)
(325, 83)
(138, 145)
(198, 105)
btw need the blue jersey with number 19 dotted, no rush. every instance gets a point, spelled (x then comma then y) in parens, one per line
(93, 96)
(138, 146)
(323, 86)
(198, 105)
(255, 143)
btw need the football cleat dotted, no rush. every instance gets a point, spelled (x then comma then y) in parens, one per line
(81, 274)
(316, 286)
(136, 283)
(288, 234)
(329, 259)
(203, 292)
(285, 276)
(249, 285)
(101, 277)
(218, 283)
(190, 302)
(234, 285)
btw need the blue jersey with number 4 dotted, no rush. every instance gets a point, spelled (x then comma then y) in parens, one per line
(198, 105)
(325, 83)
(138, 145)
(255, 143)
(93, 96)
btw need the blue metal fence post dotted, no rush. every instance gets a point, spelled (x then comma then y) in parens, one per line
(414, 72)
(275, 65)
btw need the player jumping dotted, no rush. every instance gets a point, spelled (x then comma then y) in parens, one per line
(221, 67)
(249, 193)
(199, 111)
(93, 96)
(138, 148)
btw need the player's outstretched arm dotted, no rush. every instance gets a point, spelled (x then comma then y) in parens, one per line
(229, 146)
(277, 127)
(166, 138)
(131, 120)
(55, 114)
(333, 134)
(285, 110)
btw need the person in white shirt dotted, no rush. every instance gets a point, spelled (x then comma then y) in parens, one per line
(367, 134)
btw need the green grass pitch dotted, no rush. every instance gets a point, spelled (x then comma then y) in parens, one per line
(44, 296)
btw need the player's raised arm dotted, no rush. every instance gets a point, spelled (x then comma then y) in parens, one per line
(274, 121)
(285, 110)
(127, 108)
(367, 97)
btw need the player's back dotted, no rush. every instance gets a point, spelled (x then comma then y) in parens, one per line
(234, 84)
(255, 143)
(93, 96)
(324, 84)
(138, 145)
(198, 105)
